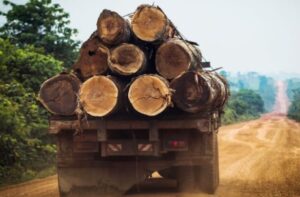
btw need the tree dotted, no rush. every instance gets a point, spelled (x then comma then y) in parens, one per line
(42, 24)
(27, 66)
(25, 147)
(294, 109)
(243, 105)
(252, 102)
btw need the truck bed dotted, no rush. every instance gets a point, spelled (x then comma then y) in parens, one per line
(204, 122)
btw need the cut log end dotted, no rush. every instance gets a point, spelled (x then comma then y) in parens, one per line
(93, 58)
(112, 28)
(99, 96)
(149, 95)
(59, 94)
(149, 23)
(172, 60)
(127, 59)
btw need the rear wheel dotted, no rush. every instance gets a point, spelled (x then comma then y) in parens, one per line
(204, 177)
(186, 179)
(208, 174)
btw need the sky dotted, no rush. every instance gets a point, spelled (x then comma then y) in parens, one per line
(238, 35)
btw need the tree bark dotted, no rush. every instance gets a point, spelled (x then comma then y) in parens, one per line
(127, 60)
(59, 94)
(112, 28)
(198, 91)
(220, 83)
(176, 56)
(150, 24)
(100, 95)
(93, 58)
(149, 94)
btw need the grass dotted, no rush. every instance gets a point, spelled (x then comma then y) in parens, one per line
(17, 176)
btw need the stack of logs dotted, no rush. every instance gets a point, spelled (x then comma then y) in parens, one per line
(141, 64)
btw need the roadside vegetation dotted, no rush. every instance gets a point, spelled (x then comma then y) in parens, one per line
(261, 84)
(294, 109)
(243, 105)
(35, 43)
(293, 92)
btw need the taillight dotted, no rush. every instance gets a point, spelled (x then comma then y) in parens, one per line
(175, 141)
(177, 145)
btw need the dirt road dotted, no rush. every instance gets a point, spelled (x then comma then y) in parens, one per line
(257, 158)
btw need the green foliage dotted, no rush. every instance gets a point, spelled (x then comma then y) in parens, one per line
(43, 25)
(263, 85)
(294, 110)
(243, 105)
(25, 147)
(27, 66)
(292, 85)
(293, 92)
(31, 31)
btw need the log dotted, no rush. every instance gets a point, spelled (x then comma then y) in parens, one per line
(100, 95)
(176, 56)
(127, 60)
(198, 91)
(220, 83)
(112, 28)
(150, 24)
(149, 94)
(59, 94)
(93, 58)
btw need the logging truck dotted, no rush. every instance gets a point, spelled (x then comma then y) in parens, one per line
(118, 152)
(138, 100)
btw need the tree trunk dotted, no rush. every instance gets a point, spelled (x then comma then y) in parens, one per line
(112, 28)
(100, 95)
(127, 59)
(59, 94)
(149, 94)
(198, 91)
(221, 85)
(93, 58)
(150, 24)
(176, 56)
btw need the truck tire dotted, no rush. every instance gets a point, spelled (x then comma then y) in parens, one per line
(208, 174)
(186, 179)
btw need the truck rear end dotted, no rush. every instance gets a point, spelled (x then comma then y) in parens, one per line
(149, 104)
(104, 155)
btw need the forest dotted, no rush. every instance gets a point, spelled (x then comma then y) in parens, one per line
(293, 92)
(36, 42)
